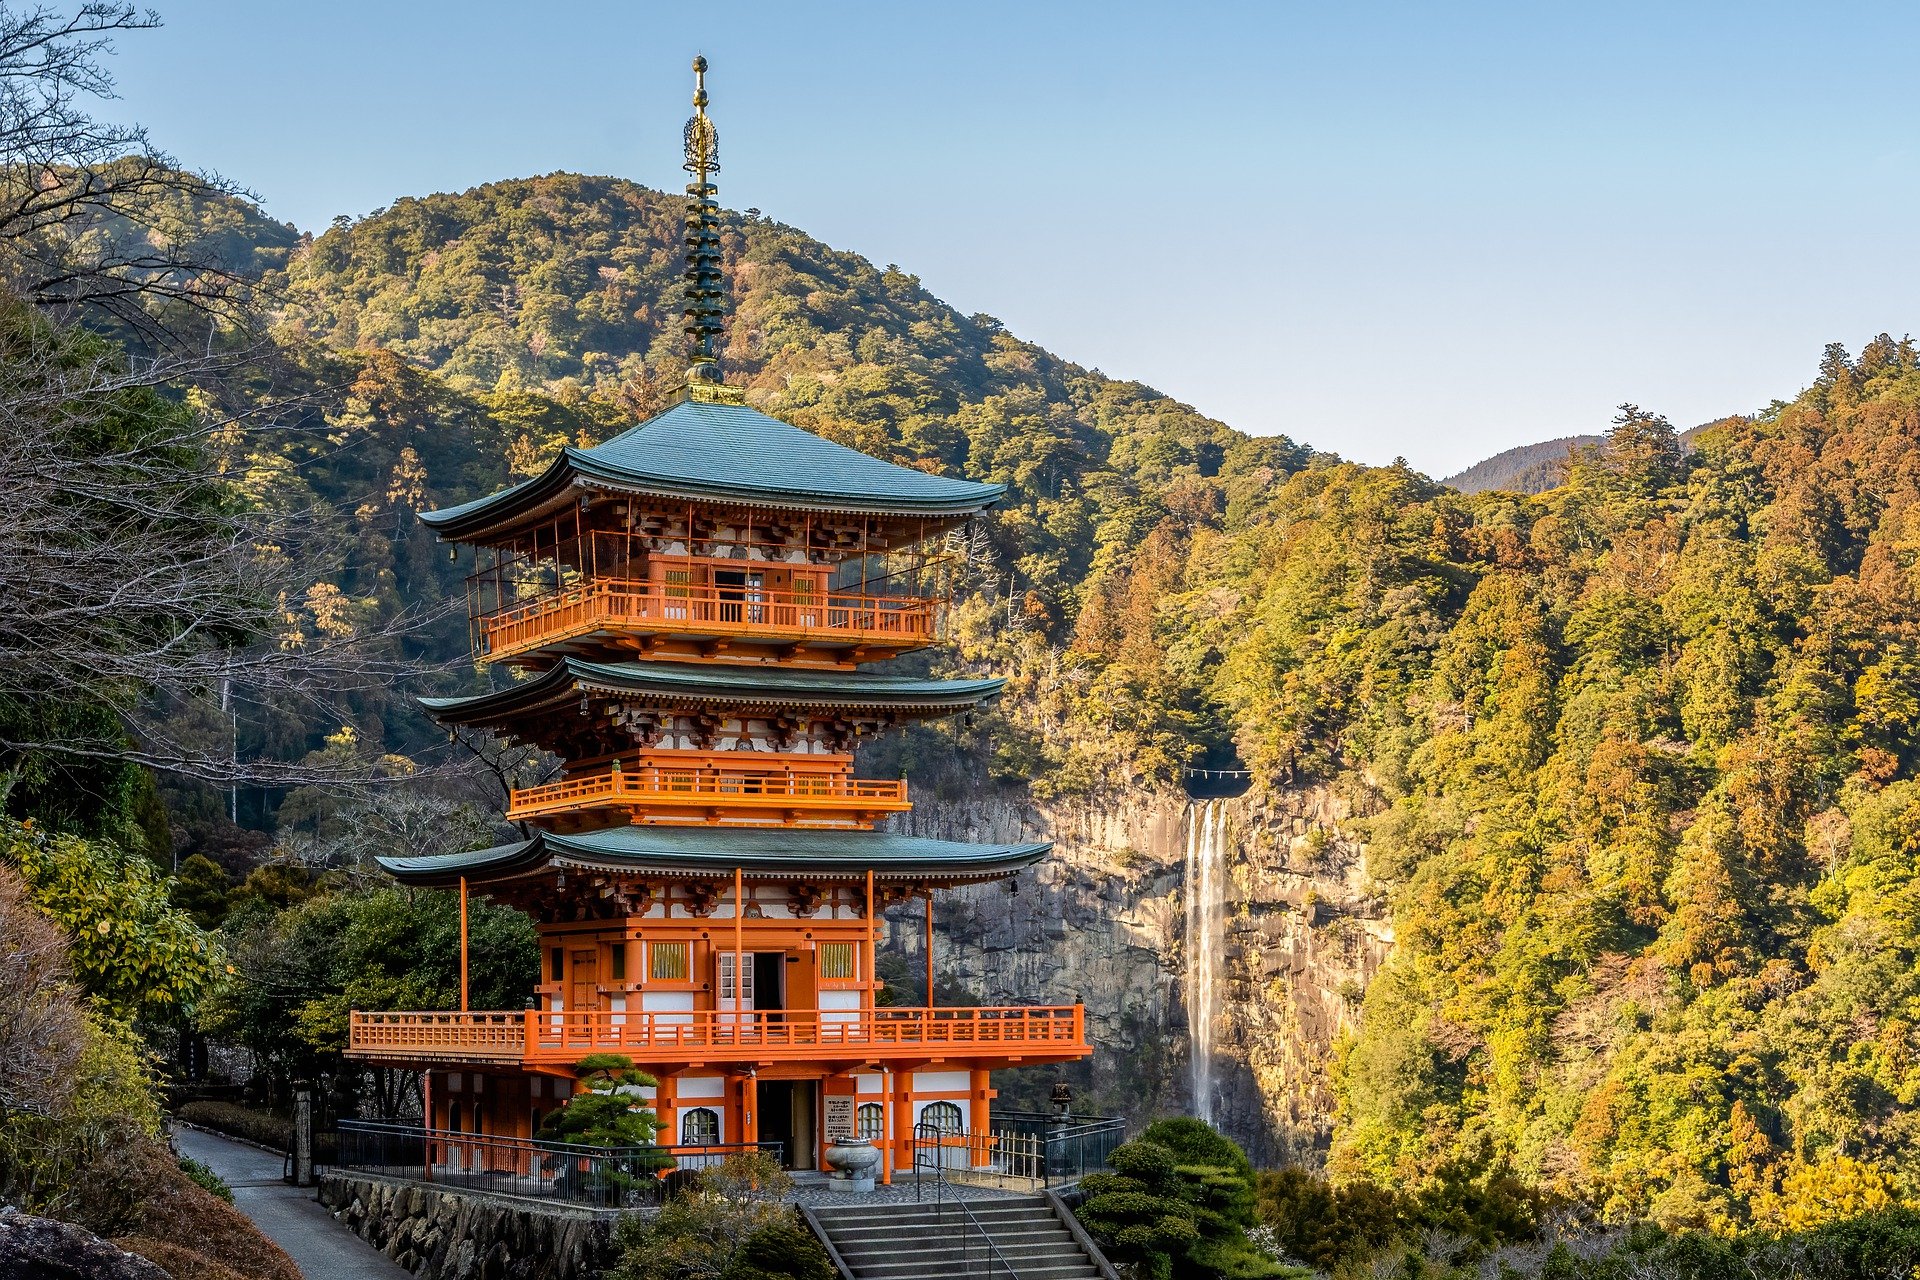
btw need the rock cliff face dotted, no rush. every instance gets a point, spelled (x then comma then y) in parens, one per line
(1103, 920)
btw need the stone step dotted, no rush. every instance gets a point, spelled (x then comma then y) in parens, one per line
(892, 1230)
(918, 1268)
(923, 1215)
(920, 1241)
(1035, 1248)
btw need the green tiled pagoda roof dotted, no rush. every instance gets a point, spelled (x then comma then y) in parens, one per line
(726, 453)
(714, 851)
(731, 685)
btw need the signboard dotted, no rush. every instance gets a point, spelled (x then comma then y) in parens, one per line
(839, 1116)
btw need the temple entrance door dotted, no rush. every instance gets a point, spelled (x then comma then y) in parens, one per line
(786, 1116)
(583, 981)
(769, 981)
(741, 594)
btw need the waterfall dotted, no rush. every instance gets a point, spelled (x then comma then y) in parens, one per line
(1206, 848)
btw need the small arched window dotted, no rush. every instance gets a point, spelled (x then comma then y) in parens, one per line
(945, 1117)
(533, 1124)
(700, 1127)
(871, 1121)
(453, 1115)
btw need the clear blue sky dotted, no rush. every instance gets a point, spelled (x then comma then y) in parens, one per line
(1420, 229)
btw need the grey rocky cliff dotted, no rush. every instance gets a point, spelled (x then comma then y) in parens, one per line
(1102, 920)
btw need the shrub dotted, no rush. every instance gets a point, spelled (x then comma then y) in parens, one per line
(202, 1176)
(1323, 1225)
(731, 1225)
(241, 1122)
(1177, 1204)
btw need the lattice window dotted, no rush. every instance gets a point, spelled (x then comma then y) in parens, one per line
(667, 961)
(945, 1117)
(837, 960)
(871, 1121)
(746, 977)
(700, 1127)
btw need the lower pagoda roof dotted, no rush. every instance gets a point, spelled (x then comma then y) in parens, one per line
(731, 685)
(712, 852)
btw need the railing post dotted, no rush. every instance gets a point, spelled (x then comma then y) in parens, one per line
(530, 1025)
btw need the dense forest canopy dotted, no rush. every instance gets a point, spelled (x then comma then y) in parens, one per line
(1634, 755)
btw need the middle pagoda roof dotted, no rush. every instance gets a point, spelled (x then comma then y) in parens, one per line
(721, 453)
(740, 686)
(696, 851)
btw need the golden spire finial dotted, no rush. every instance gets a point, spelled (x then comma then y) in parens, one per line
(705, 285)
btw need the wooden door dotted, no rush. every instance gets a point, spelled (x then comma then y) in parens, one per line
(583, 979)
(731, 1001)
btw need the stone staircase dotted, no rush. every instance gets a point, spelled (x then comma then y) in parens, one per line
(928, 1240)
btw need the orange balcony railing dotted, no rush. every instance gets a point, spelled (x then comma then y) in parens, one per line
(695, 789)
(1032, 1032)
(706, 612)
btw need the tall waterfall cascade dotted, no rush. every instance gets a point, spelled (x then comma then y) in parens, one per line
(1204, 890)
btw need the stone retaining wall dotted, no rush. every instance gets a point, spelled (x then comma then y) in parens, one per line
(440, 1234)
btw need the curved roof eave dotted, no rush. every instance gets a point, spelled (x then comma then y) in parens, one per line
(661, 850)
(726, 453)
(720, 683)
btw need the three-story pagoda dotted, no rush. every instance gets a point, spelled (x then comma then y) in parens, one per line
(689, 607)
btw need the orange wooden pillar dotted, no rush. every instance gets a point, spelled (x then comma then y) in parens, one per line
(463, 944)
(739, 950)
(426, 1121)
(980, 1112)
(666, 1102)
(929, 898)
(902, 1119)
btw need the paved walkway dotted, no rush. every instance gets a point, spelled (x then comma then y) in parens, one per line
(288, 1215)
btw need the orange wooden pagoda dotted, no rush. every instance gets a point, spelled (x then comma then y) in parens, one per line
(689, 607)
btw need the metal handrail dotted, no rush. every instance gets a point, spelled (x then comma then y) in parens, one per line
(936, 1133)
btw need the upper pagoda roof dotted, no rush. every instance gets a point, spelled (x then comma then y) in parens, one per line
(723, 453)
(730, 685)
(708, 851)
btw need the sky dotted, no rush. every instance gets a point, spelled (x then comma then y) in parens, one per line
(1430, 231)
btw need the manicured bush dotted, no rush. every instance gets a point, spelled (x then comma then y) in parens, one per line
(241, 1122)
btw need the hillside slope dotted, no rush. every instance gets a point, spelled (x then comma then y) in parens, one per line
(1527, 468)
(1632, 760)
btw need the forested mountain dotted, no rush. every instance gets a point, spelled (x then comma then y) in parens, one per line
(456, 342)
(1637, 752)
(1527, 468)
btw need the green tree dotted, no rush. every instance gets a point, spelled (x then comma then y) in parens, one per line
(1178, 1204)
(200, 889)
(606, 1109)
(130, 946)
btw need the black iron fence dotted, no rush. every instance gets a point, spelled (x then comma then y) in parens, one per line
(601, 1177)
(1073, 1145)
(1020, 1150)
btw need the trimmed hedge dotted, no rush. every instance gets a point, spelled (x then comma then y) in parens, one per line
(248, 1125)
(240, 1122)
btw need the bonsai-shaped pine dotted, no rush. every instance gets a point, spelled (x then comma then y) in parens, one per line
(1179, 1203)
(730, 1223)
(608, 1111)
(1137, 1212)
